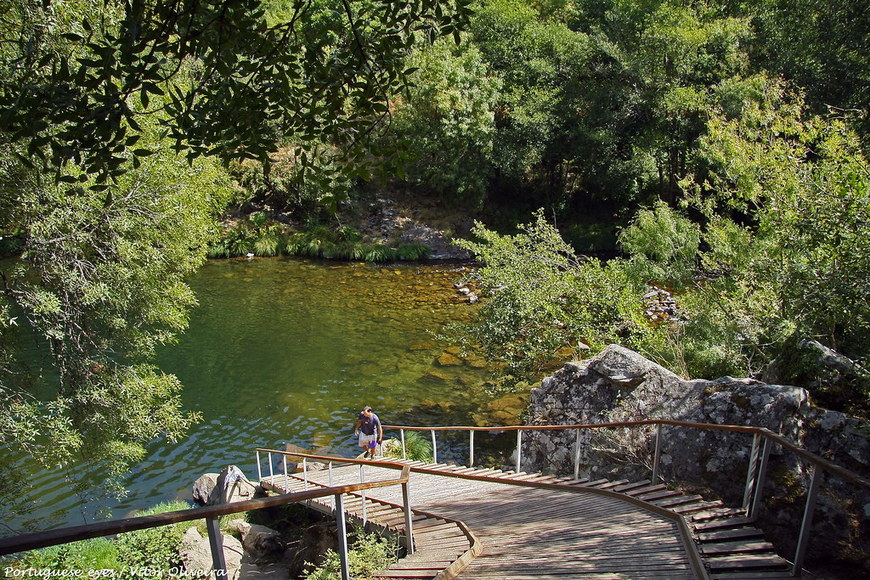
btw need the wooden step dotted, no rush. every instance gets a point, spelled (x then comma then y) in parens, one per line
(749, 575)
(746, 561)
(630, 486)
(678, 500)
(694, 508)
(718, 513)
(722, 524)
(735, 547)
(739, 533)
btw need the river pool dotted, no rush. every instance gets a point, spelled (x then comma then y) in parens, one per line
(289, 350)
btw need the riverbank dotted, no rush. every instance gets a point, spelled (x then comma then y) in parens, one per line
(379, 229)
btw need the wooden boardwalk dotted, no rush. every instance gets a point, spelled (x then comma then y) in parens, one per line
(530, 533)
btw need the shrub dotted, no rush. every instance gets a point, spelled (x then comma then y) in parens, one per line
(663, 246)
(369, 553)
(413, 251)
(268, 243)
(417, 447)
(94, 554)
(153, 547)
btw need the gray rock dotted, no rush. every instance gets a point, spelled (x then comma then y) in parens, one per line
(620, 385)
(260, 542)
(202, 487)
(196, 555)
(230, 486)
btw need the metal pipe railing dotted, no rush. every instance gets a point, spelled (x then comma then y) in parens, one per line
(409, 540)
(36, 540)
(763, 439)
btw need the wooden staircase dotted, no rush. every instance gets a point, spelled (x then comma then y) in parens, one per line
(443, 546)
(731, 547)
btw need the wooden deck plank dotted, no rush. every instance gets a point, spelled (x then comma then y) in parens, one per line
(535, 533)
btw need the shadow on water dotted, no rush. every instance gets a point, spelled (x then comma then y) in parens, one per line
(289, 350)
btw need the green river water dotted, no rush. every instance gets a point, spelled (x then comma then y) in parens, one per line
(290, 350)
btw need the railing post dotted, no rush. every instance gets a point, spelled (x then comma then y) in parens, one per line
(329, 480)
(519, 448)
(657, 454)
(404, 452)
(434, 448)
(271, 469)
(806, 524)
(259, 468)
(342, 536)
(409, 526)
(362, 479)
(759, 480)
(577, 456)
(305, 472)
(286, 476)
(471, 448)
(753, 472)
(216, 543)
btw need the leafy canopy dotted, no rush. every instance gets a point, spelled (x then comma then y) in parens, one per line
(542, 299)
(75, 90)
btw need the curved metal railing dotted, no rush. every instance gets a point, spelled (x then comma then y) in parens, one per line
(762, 442)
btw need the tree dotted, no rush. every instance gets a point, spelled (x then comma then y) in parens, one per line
(783, 248)
(543, 299)
(804, 179)
(101, 281)
(446, 124)
(325, 68)
(113, 117)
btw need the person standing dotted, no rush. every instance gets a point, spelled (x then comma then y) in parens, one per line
(371, 433)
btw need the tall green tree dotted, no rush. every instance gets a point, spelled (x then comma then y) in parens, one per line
(445, 126)
(70, 86)
(113, 119)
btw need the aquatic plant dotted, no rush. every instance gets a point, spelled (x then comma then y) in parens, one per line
(413, 251)
(261, 237)
(417, 447)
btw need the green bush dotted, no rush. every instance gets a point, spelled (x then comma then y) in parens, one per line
(663, 246)
(369, 552)
(417, 448)
(263, 238)
(413, 251)
(153, 547)
(94, 554)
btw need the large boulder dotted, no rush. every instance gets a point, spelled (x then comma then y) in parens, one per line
(261, 543)
(230, 485)
(620, 385)
(195, 553)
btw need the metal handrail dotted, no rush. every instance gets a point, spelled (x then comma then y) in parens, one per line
(761, 446)
(35, 540)
(679, 522)
(409, 530)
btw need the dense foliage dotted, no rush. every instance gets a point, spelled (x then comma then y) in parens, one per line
(794, 264)
(368, 553)
(543, 298)
(155, 548)
(725, 139)
(114, 117)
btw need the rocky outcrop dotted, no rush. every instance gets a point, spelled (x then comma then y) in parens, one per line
(620, 385)
(195, 554)
(230, 485)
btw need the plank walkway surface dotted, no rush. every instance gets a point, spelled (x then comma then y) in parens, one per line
(529, 533)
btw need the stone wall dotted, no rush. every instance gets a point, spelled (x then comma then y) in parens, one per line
(620, 385)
